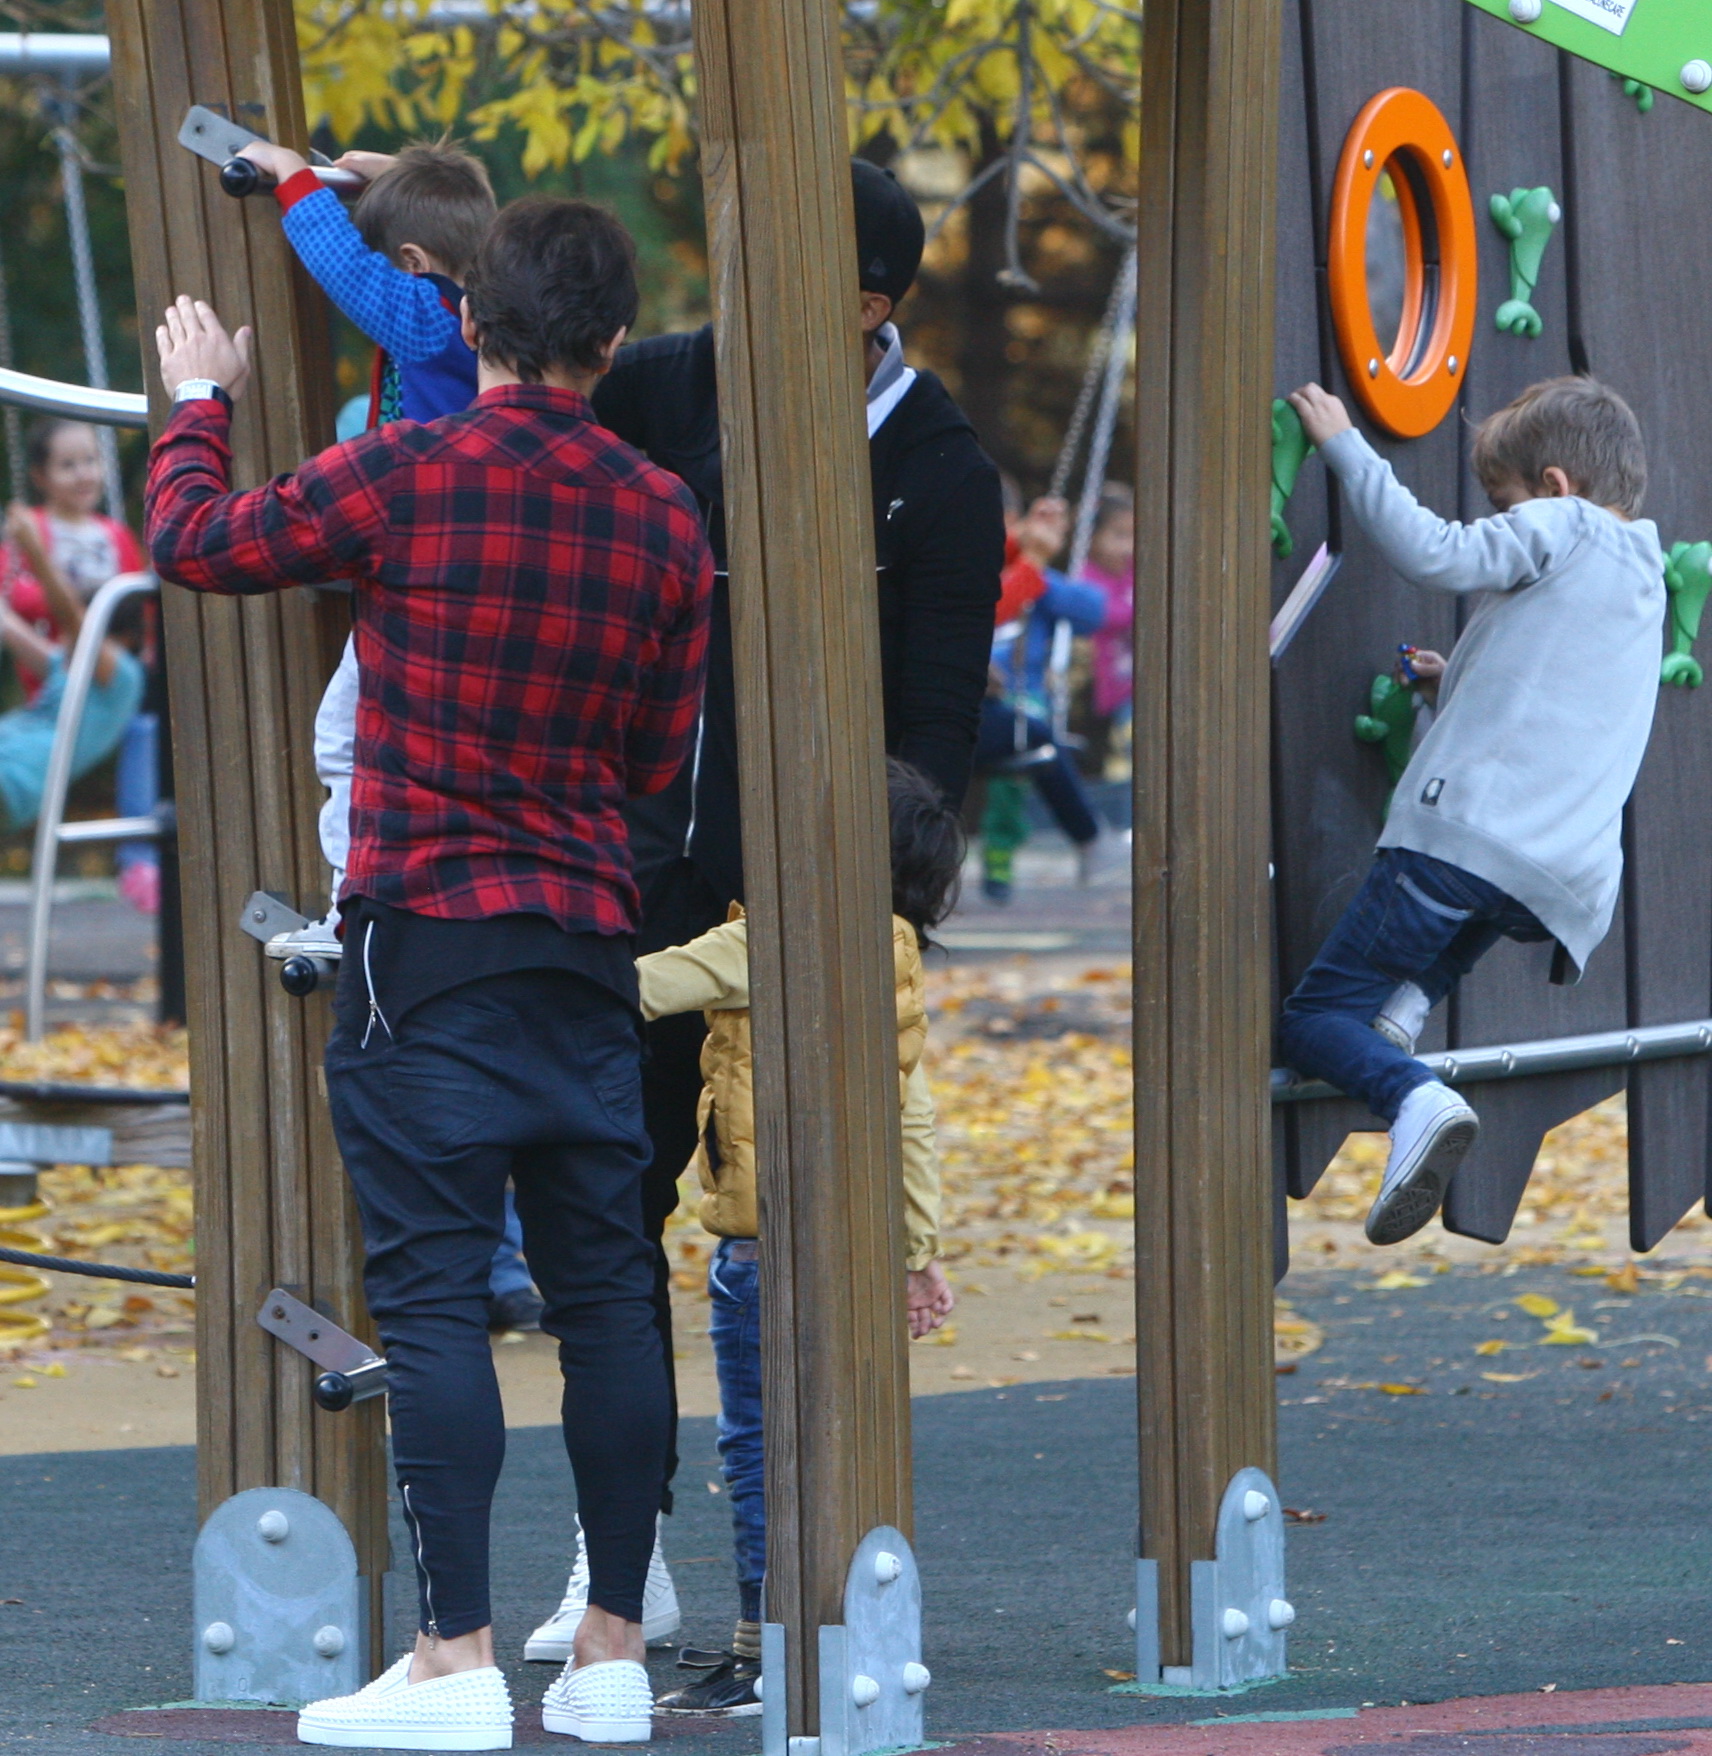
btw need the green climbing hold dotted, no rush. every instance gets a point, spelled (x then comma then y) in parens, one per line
(1527, 217)
(1290, 450)
(1642, 94)
(1389, 723)
(1688, 579)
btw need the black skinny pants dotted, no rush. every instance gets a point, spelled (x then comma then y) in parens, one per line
(535, 1076)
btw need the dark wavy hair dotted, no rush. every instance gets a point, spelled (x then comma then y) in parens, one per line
(927, 848)
(553, 283)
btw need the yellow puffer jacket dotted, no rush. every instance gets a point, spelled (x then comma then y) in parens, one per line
(711, 974)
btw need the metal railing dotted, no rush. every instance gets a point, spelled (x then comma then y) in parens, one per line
(77, 402)
(52, 832)
(1600, 1048)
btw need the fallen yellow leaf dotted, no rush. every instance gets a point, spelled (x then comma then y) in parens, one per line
(1564, 1331)
(1508, 1377)
(1402, 1389)
(25, 1383)
(1537, 1305)
(1394, 1279)
(1078, 1335)
(1491, 1347)
(1624, 1280)
(946, 1337)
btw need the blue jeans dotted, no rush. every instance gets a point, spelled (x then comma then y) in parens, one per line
(735, 1329)
(1056, 781)
(1416, 919)
(137, 785)
(509, 1273)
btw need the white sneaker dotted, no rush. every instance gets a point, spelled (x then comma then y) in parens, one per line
(1432, 1134)
(1403, 1017)
(661, 1617)
(317, 939)
(609, 1703)
(469, 1710)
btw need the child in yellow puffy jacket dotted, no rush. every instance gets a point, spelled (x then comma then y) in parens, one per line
(712, 974)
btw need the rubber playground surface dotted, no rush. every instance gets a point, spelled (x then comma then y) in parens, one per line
(1516, 1539)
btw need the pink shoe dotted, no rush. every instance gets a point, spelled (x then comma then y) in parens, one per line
(140, 887)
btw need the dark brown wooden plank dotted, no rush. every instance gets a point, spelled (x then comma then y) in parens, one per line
(784, 283)
(1204, 1195)
(1646, 329)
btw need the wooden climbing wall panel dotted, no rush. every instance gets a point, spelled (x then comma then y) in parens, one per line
(1524, 116)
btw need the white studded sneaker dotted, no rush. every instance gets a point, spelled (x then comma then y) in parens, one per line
(661, 1617)
(608, 1703)
(1430, 1138)
(1403, 1017)
(469, 1710)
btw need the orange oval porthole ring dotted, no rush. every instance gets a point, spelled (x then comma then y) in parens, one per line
(1410, 386)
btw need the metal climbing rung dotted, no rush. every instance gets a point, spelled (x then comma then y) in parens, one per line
(52, 831)
(77, 402)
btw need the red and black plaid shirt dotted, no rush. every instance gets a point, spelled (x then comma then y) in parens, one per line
(531, 625)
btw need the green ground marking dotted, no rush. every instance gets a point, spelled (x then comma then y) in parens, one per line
(1650, 41)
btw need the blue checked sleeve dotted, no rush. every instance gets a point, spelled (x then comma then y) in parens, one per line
(402, 312)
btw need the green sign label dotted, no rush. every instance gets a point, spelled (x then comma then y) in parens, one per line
(1664, 44)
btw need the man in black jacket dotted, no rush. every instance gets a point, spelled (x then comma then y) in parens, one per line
(939, 541)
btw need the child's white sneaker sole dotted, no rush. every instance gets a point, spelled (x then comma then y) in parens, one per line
(1415, 1191)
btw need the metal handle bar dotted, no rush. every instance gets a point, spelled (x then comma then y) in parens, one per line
(106, 408)
(79, 676)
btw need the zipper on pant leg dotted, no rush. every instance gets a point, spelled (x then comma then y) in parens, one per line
(421, 1565)
(374, 1001)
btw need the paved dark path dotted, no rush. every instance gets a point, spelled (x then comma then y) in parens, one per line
(1480, 1538)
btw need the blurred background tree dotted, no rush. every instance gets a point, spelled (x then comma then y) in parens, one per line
(1013, 121)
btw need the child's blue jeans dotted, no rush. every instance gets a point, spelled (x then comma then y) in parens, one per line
(733, 1284)
(1416, 919)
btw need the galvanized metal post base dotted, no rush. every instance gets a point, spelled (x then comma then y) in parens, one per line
(279, 1613)
(1238, 1610)
(871, 1675)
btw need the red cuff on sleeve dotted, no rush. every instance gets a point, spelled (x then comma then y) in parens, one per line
(295, 187)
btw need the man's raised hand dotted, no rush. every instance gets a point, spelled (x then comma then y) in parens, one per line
(194, 344)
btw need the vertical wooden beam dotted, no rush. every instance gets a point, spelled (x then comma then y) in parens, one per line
(1202, 1034)
(815, 838)
(272, 1206)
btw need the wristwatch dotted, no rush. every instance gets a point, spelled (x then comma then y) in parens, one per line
(200, 390)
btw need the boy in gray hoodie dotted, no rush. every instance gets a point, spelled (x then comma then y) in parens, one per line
(1507, 822)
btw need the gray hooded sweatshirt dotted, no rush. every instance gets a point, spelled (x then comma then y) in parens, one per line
(1547, 704)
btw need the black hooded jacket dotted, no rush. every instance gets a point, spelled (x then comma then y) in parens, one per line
(940, 546)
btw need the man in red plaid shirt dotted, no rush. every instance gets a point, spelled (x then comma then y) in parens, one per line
(531, 603)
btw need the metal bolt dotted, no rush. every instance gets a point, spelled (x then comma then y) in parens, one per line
(887, 1567)
(864, 1691)
(1697, 77)
(1372, 368)
(1554, 213)
(258, 914)
(1234, 1623)
(273, 1527)
(328, 1641)
(1367, 158)
(1449, 158)
(1131, 1620)
(218, 1637)
(916, 1678)
(1255, 1505)
(1280, 1614)
(1451, 365)
(1526, 11)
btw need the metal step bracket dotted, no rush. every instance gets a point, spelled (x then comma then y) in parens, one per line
(266, 914)
(351, 1370)
(278, 1613)
(1238, 1610)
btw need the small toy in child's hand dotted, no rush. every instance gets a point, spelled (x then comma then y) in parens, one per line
(1406, 662)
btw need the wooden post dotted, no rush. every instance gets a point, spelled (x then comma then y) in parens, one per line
(815, 839)
(1202, 959)
(272, 1206)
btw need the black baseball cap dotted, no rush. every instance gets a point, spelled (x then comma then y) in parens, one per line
(889, 234)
